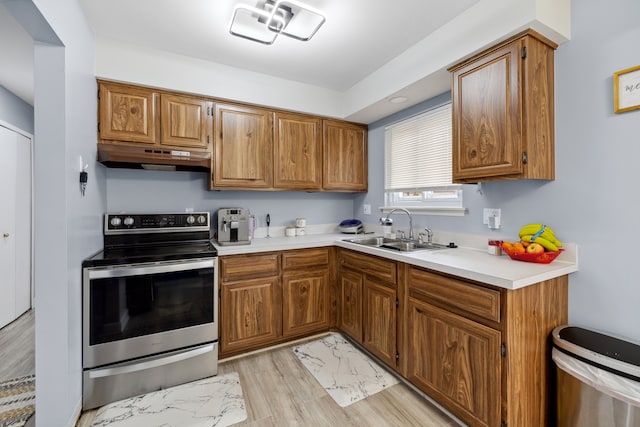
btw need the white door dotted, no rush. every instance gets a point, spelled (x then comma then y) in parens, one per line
(15, 225)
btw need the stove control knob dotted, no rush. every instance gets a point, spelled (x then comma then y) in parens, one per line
(128, 221)
(191, 219)
(115, 221)
(202, 219)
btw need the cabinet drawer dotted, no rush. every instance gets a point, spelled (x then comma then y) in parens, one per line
(248, 266)
(457, 294)
(370, 265)
(305, 258)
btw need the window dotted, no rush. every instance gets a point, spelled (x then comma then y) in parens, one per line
(418, 164)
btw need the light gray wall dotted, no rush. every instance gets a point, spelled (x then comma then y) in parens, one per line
(593, 198)
(67, 226)
(149, 191)
(15, 111)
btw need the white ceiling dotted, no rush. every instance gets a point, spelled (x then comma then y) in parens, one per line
(358, 38)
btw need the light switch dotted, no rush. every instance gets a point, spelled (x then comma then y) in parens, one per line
(491, 218)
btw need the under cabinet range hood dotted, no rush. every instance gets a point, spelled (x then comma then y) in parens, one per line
(153, 158)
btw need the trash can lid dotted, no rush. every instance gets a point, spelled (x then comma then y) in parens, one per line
(610, 353)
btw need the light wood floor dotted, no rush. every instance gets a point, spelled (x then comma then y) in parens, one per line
(279, 391)
(18, 350)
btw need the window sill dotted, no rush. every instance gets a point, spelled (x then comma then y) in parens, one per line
(425, 210)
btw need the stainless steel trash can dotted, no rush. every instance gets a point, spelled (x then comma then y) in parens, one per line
(598, 379)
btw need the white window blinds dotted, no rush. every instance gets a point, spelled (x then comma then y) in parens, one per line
(418, 151)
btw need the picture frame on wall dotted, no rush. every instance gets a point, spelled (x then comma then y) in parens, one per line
(626, 90)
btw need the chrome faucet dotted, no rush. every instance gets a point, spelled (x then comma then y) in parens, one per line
(429, 236)
(389, 221)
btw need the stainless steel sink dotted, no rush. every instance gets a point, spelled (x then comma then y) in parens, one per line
(402, 245)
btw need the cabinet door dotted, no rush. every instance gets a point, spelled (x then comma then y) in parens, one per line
(243, 155)
(379, 328)
(128, 113)
(297, 152)
(456, 361)
(186, 121)
(305, 302)
(350, 303)
(251, 314)
(487, 116)
(345, 156)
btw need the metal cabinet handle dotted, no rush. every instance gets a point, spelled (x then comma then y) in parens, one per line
(150, 364)
(5, 235)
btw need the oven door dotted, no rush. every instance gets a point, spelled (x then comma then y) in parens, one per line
(137, 310)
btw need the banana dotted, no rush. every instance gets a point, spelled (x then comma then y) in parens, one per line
(545, 232)
(550, 246)
(534, 228)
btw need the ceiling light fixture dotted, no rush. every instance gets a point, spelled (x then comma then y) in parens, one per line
(264, 23)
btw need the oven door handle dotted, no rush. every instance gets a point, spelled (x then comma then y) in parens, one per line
(119, 370)
(139, 270)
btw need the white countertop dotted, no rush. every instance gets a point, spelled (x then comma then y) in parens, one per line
(470, 263)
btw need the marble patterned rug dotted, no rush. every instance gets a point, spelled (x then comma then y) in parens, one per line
(211, 402)
(345, 372)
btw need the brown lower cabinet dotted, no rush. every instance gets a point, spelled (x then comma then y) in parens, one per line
(480, 351)
(251, 312)
(483, 352)
(379, 323)
(368, 302)
(456, 360)
(269, 298)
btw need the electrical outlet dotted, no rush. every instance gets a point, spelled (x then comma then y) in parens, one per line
(366, 209)
(487, 213)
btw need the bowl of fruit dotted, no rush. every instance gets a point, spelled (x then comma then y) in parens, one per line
(537, 243)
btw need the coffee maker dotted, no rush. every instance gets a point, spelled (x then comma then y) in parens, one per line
(233, 226)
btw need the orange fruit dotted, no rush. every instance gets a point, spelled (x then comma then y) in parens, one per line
(518, 247)
(525, 243)
(507, 246)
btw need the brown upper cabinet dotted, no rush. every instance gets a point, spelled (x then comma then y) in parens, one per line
(133, 114)
(345, 156)
(128, 113)
(246, 147)
(297, 152)
(186, 121)
(503, 112)
(242, 157)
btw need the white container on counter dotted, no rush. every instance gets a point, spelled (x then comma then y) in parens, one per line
(494, 247)
(290, 231)
(300, 231)
(301, 222)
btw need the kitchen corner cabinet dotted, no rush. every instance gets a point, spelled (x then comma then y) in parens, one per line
(270, 298)
(503, 112)
(350, 288)
(345, 156)
(367, 300)
(297, 152)
(481, 352)
(137, 115)
(243, 148)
